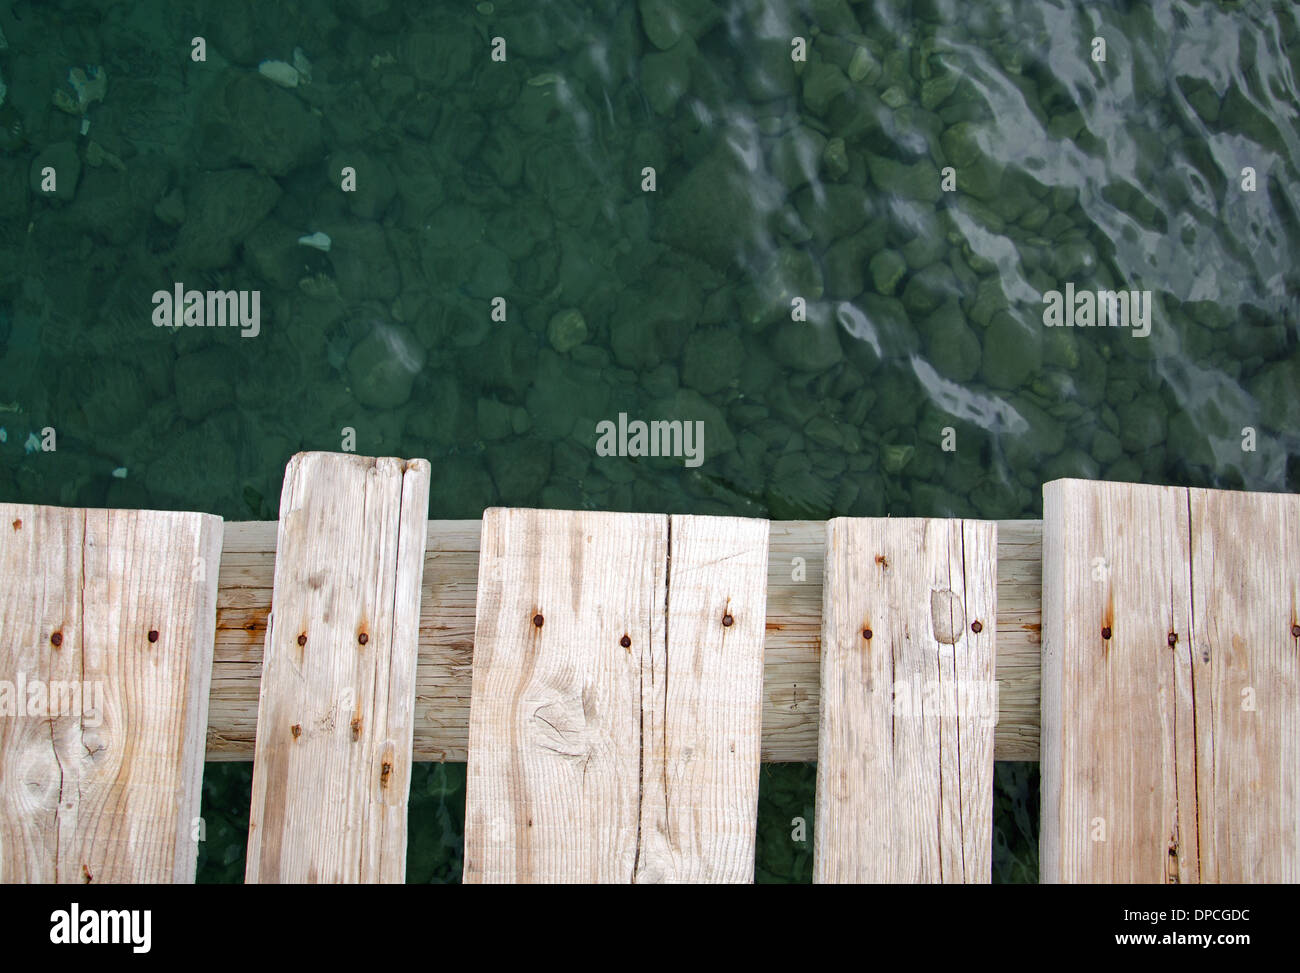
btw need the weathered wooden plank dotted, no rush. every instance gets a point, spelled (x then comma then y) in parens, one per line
(791, 661)
(569, 603)
(905, 756)
(331, 774)
(702, 691)
(615, 725)
(1166, 612)
(107, 620)
(1245, 657)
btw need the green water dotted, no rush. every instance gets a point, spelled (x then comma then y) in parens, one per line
(782, 190)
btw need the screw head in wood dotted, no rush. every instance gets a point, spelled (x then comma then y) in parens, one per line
(363, 638)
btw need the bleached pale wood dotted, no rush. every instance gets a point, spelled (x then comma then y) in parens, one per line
(595, 761)
(103, 785)
(1246, 665)
(331, 774)
(553, 784)
(1152, 770)
(905, 754)
(790, 681)
(702, 691)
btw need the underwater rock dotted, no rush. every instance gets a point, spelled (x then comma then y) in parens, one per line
(562, 393)
(442, 56)
(63, 159)
(864, 67)
(363, 262)
(887, 268)
(689, 406)
(279, 72)
(796, 156)
(919, 181)
(835, 159)
(718, 211)
(494, 421)
(1141, 423)
(566, 330)
(1012, 353)
(665, 22)
(767, 69)
(273, 252)
(383, 366)
(115, 205)
(950, 344)
(13, 194)
(245, 120)
(929, 288)
(170, 210)
(519, 469)
(1275, 388)
(666, 76)
(200, 462)
(789, 274)
(823, 83)
(205, 382)
(712, 360)
(375, 185)
(462, 489)
(846, 261)
(809, 346)
(222, 208)
(833, 210)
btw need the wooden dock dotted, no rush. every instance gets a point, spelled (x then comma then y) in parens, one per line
(615, 679)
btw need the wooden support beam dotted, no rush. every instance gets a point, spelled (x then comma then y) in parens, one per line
(107, 619)
(332, 772)
(1171, 685)
(905, 757)
(790, 666)
(615, 723)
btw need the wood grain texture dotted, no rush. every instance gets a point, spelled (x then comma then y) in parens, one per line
(107, 620)
(614, 727)
(1166, 611)
(1246, 669)
(702, 706)
(331, 774)
(905, 756)
(553, 778)
(791, 662)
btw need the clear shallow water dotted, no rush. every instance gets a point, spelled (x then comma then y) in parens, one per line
(774, 180)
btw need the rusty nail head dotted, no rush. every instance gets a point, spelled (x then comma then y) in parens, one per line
(977, 626)
(625, 642)
(538, 620)
(1105, 632)
(866, 634)
(727, 620)
(56, 639)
